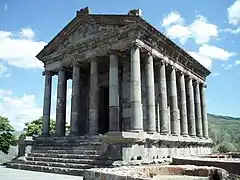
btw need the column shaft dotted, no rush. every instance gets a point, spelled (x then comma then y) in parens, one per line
(93, 98)
(47, 104)
(190, 108)
(61, 103)
(204, 112)
(164, 123)
(113, 94)
(150, 92)
(183, 106)
(136, 107)
(173, 103)
(198, 113)
(75, 114)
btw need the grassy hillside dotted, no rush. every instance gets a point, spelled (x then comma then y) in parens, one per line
(225, 132)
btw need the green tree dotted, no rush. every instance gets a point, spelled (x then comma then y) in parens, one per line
(7, 138)
(35, 127)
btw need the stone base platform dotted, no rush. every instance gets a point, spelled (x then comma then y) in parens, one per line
(156, 172)
(230, 164)
(64, 155)
(129, 147)
(72, 155)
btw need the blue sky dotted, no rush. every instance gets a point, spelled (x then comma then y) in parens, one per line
(208, 30)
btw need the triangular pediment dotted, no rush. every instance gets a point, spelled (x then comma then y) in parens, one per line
(83, 28)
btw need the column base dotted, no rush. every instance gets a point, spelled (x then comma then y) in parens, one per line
(185, 135)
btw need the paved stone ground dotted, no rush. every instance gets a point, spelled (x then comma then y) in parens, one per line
(14, 174)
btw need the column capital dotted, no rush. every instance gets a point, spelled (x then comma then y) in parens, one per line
(76, 63)
(181, 72)
(50, 73)
(161, 62)
(203, 85)
(189, 77)
(112, 52)
(195, 82)
(172, 67)
(62, 69)
(136, 44)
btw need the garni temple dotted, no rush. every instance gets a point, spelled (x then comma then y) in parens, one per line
(136, 95)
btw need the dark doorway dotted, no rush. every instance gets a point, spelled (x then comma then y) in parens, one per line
(103, 110)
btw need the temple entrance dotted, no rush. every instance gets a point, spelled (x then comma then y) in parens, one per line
(103, 120)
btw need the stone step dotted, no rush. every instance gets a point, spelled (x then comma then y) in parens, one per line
(68, 144)
(66, 140)
(89, 147)
(68, 156)
(84, 152)
(58, 170)
(64, 165)
(74, 161)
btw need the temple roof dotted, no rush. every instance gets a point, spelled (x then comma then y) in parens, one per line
(133, 17)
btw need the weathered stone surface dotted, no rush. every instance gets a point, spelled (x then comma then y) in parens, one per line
(136, 109)
(47, 104)
(93, 98)
(61, 103)
(156, 172)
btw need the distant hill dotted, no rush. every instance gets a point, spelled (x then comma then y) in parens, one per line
(225, 132)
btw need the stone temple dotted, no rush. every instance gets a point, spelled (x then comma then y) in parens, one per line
(136, 95)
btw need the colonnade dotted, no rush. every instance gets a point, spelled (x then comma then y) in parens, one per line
(190, 103)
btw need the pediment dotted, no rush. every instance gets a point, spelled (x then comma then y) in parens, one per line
(82, 29)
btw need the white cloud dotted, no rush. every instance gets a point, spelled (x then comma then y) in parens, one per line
(200, 30)
(19, 109)
(232, 31)
(234, 13)
(237, 62)
(202, 59)
(5, 7)
(227, 67)
(19, 49)
(206, 54)
(215, 74)
(172, 18)
(4, 34)
(4, 71)
(4, 92)
(179, 31)
(215, 52)
(26, 33)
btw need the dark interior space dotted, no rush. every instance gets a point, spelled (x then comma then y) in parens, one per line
(104, 110)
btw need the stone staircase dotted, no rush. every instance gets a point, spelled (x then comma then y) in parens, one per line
(68, 155)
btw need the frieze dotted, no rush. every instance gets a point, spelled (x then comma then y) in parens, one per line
(171, 50)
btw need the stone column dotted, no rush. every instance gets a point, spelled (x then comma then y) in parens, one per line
(75, 114)
(113, 94)
(136, 107)
(93, 98)
(150, 95)
(61, 103)
(164, 123)
(173, 103)
(204, 111)
(47, 103)
(190, 108)
(183, 105)
(198, 113)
